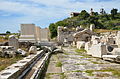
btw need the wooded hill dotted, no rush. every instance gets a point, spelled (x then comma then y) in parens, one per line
(101, 20)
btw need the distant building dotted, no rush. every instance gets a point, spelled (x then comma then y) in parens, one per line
(38, 36)
(28, 33)
(73, 14)
(32, 33)
(44, 34)
(91, 12)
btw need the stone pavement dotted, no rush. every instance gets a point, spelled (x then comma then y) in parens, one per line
(53, 71)
(81, 66)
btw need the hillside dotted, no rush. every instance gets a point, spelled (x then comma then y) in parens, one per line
(102, 21)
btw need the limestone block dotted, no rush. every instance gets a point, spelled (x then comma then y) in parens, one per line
(87, 46)
(111, 41)
(92, 26)
(33, 50)
(95, 39)
(98, 50)
(80, 44)
(118, 39)
(13, 41)
(116, 51)
(21, 52)
(95, 42)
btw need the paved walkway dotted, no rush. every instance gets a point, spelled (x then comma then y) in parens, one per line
(81, 66)
(54, 71)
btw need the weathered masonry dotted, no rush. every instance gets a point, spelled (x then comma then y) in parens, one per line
(32, 33)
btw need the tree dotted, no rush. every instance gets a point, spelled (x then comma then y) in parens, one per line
(103, 18)
(92, 19)
(95, 13)
(61, 23)
(8, 32)
(103, 21)
(113, 13)
(84, 15)
(109, 24)
(53, 30)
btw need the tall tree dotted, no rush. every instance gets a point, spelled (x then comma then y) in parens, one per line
(53, 30)
(113, 13)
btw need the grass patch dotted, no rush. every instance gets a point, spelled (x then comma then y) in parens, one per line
(84, 55)
(77, 71)
(5, 62)
(95, 62)
(59, 64)
(62, 76)
(80, 50)
(114, 72)
(47, 76)
(81, 64)
(66, 53)
(90, 72)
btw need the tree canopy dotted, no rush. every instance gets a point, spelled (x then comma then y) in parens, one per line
(8, 32)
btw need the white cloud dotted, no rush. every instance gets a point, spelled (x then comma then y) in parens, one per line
(43, 12)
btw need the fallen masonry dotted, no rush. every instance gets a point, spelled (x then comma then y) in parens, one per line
(95, 44)
(22, 67)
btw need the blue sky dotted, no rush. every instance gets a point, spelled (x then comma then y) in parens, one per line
(44, 12)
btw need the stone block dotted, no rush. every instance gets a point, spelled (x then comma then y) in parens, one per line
(111, 41)
(116, 51)
(87, 46)
(80, 44)
(13, 41)
(33, 50)
(97, 50)
(95, 39)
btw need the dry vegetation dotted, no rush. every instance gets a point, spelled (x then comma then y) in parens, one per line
(2, 39)
(104, 30)
(5, 62)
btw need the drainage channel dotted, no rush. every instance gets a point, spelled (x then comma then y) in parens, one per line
(27, 73)
(23, 67)
(33, 69)
(40, 67)
(30, 67)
